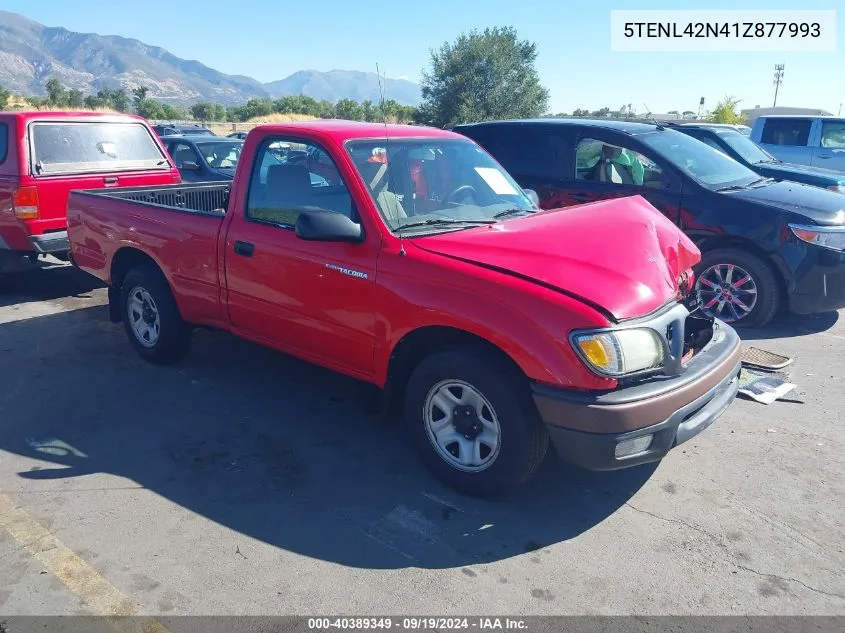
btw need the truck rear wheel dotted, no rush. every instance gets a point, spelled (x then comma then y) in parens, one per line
(472, 419)
(151, 318)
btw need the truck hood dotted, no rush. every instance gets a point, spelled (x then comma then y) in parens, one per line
(621, 256)
(819, 205)
(825, 177)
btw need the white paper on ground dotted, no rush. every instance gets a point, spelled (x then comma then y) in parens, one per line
(498, 183)
(765, 389)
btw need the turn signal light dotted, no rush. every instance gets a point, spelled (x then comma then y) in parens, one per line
(25, 203)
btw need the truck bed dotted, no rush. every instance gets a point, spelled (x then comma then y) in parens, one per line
(197, 198)
(177, 226)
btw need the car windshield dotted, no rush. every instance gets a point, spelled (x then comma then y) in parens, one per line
(704, 164)
(436, 184)
(745, 147)
(221, 154)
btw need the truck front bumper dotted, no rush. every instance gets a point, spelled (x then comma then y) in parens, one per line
(53, 242)
(640, 424)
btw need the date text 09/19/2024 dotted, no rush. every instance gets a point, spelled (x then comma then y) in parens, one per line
(416, 623)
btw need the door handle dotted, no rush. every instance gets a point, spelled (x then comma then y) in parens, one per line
(825, 156)
(110, 180)
(244, 248)
(580, 196)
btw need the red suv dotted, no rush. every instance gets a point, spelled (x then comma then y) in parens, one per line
(44, 155)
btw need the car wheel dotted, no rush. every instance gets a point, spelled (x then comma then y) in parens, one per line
(151, 318)
(737, 287)
(472, 419)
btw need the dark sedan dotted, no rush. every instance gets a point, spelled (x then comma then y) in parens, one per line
(202, 158)
(764, 242)
(747, 152)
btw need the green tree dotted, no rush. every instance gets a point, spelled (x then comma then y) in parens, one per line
(203, 111)
(172, 112)
(482, 76)
(348, 109)
(93, 102)
(725, 112)
(55, 92)
(325, 109)
(139, 93)
(602, 114)
(150, 109)
(120, 100)
(4, 97)
(580, 112)
(74, 98)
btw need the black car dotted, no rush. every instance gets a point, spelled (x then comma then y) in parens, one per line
(764, 242)
(202, 158)
(173, 129)
(744, 150)
(240, 135)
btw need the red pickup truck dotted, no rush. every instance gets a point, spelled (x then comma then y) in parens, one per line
(419, 266)
(43, 155)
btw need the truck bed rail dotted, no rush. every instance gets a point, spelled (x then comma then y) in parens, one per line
(206, 198)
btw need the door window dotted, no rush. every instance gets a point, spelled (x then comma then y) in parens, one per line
(183, 153)
(598, 161)
(786, 132)
(531, 154)
(286, 180)
(4, 141)
(833, 134)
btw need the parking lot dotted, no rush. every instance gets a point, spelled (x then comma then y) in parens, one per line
(245, 482)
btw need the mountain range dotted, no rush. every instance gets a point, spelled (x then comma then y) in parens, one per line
(31, 54)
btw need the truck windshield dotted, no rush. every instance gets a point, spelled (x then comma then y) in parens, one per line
(79, 147)
(746, 148)
(435, 183)
(707, 166)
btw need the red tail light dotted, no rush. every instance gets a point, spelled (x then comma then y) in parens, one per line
(25, 203)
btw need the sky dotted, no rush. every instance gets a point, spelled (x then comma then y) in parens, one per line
(270, 39)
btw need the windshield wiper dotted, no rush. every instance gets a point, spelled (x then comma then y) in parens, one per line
(745, 186)
(443, 221)
(507, 212)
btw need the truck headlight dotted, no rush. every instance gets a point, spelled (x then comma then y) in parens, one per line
(832, 237)
(615, 353)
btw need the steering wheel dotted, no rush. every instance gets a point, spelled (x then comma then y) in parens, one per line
(461, 189)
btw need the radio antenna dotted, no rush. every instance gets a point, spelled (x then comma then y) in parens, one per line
(387, 149)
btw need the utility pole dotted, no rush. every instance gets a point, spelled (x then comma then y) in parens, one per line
(778, 81)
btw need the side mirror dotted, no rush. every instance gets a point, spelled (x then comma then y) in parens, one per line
(189, 165)
(327, 226)
(532, 195)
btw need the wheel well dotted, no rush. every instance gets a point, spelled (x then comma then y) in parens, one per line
(125, 260)
(713, 243)
(418, 344)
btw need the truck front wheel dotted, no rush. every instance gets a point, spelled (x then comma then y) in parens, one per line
(472, 419)
(151, 318)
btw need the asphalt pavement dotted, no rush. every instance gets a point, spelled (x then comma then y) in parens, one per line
(242, 481)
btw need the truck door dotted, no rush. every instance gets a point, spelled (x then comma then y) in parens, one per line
(311, 299)
(829, 152)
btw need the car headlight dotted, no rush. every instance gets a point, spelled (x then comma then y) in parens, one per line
(616, 353)
(832, 237)
(837, 188)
